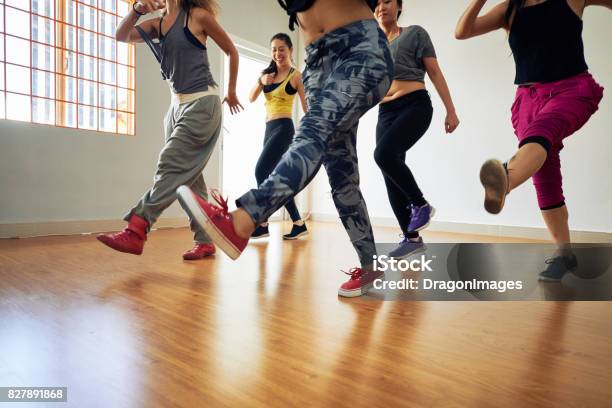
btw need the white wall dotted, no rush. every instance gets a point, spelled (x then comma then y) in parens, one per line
(50, 174)
(54, 174)
(480, 73)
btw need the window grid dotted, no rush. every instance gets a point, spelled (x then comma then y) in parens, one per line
(71, 76)
(69, 102)
(68, 50)
(76, 40)
(93, 76)
(31, 50)
(3, 95)
(55, 112)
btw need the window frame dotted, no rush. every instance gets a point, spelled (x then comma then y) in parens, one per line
(62, 18)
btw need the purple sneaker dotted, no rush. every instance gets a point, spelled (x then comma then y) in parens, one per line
(407, 248)
(421, 217)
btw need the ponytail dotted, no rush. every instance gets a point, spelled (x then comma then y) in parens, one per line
(271, 69)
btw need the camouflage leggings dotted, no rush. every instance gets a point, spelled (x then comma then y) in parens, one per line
(347, 72)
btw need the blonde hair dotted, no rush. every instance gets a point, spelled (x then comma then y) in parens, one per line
(212, 6)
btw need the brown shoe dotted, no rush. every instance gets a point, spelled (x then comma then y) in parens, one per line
(494, 179)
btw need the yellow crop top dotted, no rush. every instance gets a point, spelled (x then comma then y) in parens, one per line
(279, 97)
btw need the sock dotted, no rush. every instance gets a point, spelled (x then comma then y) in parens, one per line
(411, 235)
(299, 223)
(565, 250)
(264, 225)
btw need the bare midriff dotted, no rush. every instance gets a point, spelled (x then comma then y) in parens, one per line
(401, 88)
(327, 15)
(277, 116)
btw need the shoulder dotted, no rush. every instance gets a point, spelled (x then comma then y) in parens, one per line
(413, 32)
(412, 35)
(296, 76)
(296, 73)
(418, 30)
(420, 35)
(202, 15)
(204, 20)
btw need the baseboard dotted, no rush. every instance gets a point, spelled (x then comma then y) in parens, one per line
(483, 229)
(39, 229)
(31, 229)
(26, 230)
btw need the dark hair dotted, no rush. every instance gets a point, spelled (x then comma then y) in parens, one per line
(512, 6)
(272, 68)
(399, 3)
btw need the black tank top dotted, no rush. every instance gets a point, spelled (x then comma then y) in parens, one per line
(546, 41)
(297, 6)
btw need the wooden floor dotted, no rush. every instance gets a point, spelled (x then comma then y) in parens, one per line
(269, 330)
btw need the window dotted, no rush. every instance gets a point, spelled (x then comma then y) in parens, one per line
(235, 146)
(60, 64)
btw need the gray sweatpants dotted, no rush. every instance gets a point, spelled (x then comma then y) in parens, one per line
(191, 132)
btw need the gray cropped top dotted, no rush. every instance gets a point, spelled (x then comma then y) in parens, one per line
(408, 50)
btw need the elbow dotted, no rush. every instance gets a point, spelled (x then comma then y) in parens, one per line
(461, 33)
(232, 53)
(120, 37)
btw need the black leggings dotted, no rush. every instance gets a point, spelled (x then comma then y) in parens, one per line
(279, 135)
(401, 123)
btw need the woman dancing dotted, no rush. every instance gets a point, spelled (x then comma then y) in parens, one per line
(193, 122)
(280, 83)
(403, 118)
(556, 96)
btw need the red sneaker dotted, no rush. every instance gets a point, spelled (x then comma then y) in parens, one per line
(216, 221)
(199, 251)
(360, 282)
(131, 240)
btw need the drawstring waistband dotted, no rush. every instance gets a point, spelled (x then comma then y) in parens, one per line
(337, 41)
(179, 99)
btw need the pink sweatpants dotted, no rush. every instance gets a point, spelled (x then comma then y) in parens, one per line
(553, 111)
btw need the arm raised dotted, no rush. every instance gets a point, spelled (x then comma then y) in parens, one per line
(471, 24)
(126, 30)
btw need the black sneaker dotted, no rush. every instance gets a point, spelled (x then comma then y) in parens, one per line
(296, 232)
(260, 232)
(558, 267)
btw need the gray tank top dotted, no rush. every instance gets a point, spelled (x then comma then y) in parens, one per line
(408, 50)
(182, 57)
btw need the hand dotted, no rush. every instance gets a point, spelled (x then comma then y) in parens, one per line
(451, 122)
(149, 6)
(268, 79)
(233, 102)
